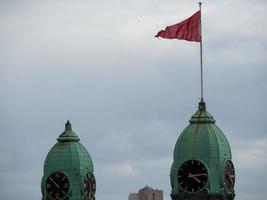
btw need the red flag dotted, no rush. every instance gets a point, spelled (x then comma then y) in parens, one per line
(188, 29)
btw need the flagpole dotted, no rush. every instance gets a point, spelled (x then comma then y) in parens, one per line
(201, 61)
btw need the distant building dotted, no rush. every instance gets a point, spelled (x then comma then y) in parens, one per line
(146, 193)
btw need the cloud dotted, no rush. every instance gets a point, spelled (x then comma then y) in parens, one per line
(253, 155)
(122, 169)
(117, 139)
(127, 94)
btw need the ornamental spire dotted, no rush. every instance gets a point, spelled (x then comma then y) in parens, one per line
(68, 126)
(202, 115)
(68, 134)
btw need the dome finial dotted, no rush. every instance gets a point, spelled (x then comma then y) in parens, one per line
(68, 134)
(68, 126)
(202, 116)
(202, 105)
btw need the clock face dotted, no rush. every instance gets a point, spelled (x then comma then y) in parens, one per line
(57, 185)
(229, 177)
(89, 186)
(192, 176)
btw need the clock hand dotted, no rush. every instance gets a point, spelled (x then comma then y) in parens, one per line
(54, 182)
(231, 177)
(194, 177)
(64, 193)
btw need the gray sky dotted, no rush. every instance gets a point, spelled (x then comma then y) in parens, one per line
(127, 94)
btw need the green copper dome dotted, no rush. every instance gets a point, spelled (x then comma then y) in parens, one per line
(68, 156)
(203, 141)
(68, 153)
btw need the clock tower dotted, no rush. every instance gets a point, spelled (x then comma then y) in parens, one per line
(68, 170)
(202, 168)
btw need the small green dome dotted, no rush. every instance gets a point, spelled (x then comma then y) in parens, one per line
(204, 141)
(70, 157)
(68, 153)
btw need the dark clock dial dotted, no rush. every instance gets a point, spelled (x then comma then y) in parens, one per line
(192, 176)
(57, 185)
(229, 177)
(89, 186)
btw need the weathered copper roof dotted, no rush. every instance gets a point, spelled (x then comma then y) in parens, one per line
(70, 157)
(204, 141)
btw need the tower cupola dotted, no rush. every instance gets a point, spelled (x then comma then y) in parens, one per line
(68, 170)
(202, 168)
